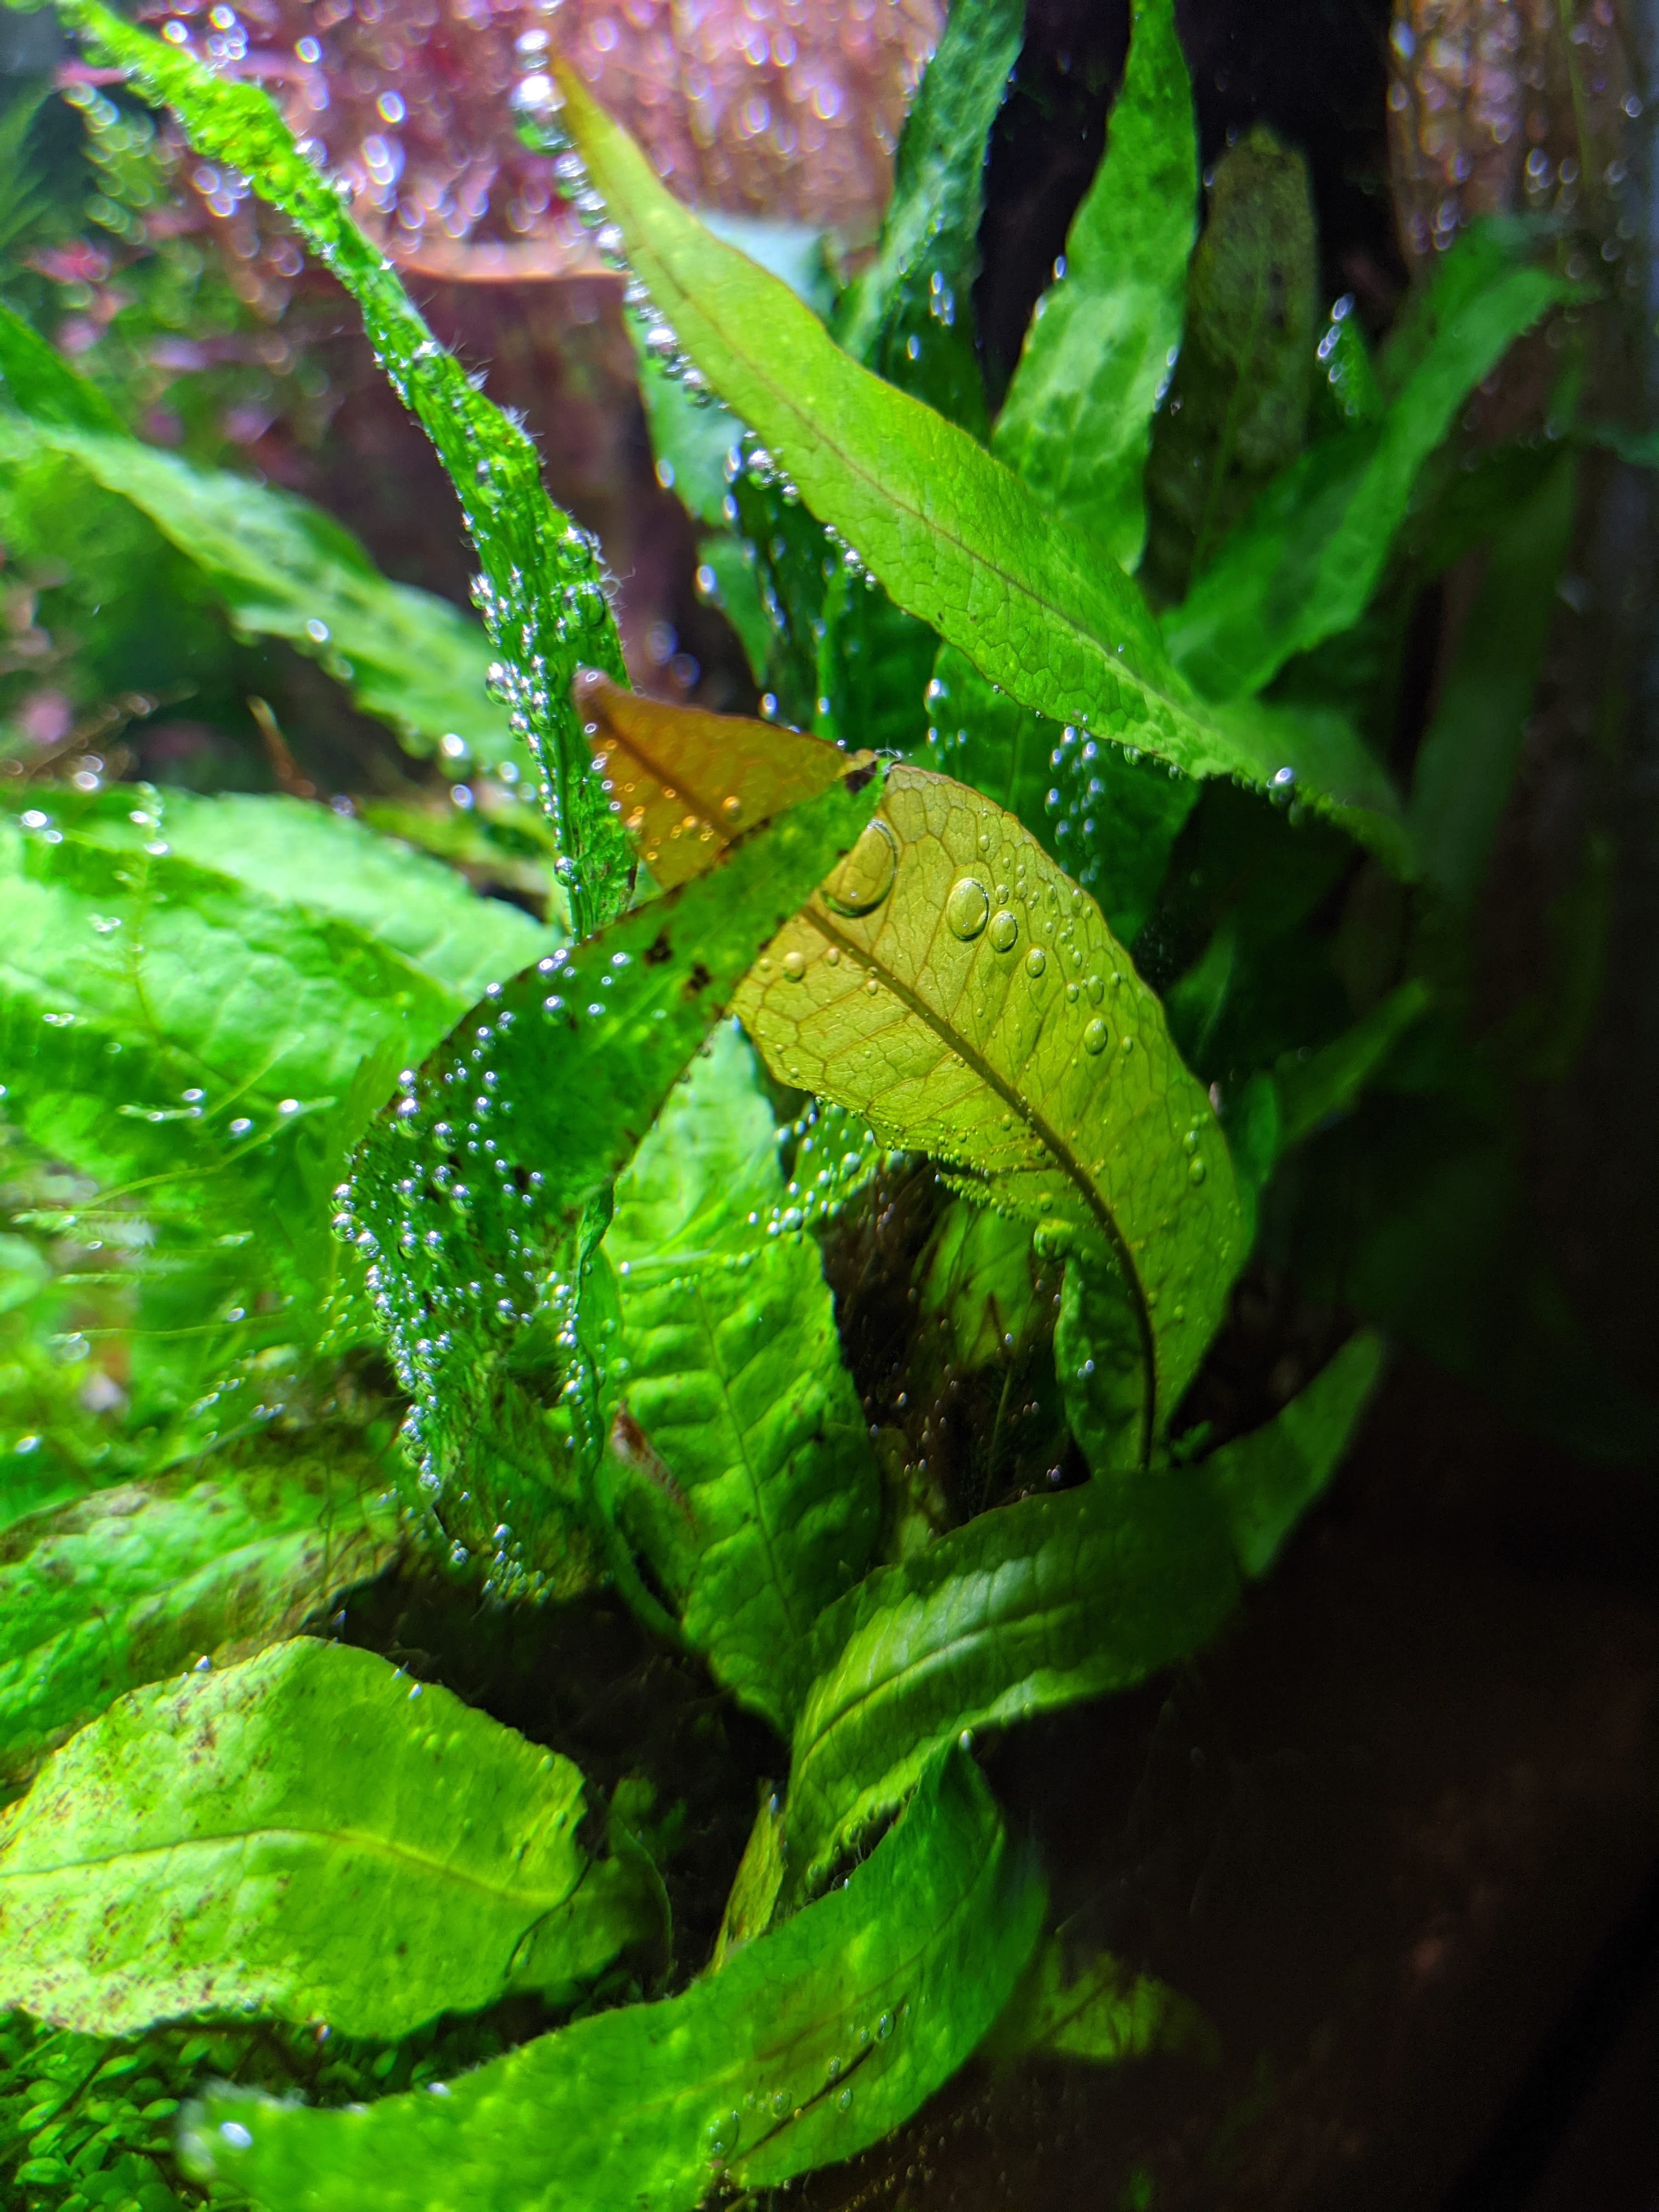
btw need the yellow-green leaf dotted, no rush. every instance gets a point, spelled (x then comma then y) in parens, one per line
(950, 983)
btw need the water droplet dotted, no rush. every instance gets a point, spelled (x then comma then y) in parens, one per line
(1126, 1044)
(1035, 960)
(967, 909)
(794, 965)
(866, 876)
(1097, 1036)
(1004, 931)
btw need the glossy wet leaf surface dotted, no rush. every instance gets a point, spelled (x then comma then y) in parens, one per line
(952, 985)
(310, 1834)
(809, 2044)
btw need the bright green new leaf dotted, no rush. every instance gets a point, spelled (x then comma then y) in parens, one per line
(807, 2047)
(954, 987)
(909, 314)
(480, 1198)
(542, 592)
(1099, 2012)
(752, 1486)
(1265, 1481)
(1467, 761)
(1024, 1610)
(139, 1582)
(755, 1887)
(1304, 561)
(1237, 407)
(954, 537)
(308, 1834)
(1077, 422)
(282, 568)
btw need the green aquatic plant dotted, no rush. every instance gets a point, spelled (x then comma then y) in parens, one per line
(363, 1226)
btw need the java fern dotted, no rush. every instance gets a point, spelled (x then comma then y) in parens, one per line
(582, 1178)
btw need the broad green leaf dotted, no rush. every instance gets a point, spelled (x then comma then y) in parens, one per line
(953, 986)
(1346, 387)
(308, 1834)
(1237, 407)
(192, 1027)
(808, 2046)
(1102, 1377)
(909, 314)
(1077, 422)
(1265, 1481)
(144, 1580)
(980, 1281)
(1026, 1609)
(692, 437)
(481, 1197)
(283, 569)
(733, 1386)
(542, 592)
(1100, 2012)
(1302, 565)
(1467, 761)
(954, 537)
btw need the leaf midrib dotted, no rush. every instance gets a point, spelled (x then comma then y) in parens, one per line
(366, 1845)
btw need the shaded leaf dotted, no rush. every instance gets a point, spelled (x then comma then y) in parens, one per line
(283, 569)
(953, 986)
(1237, 408)
(1024, 1610)
(1100, 2012)
(806, 2047)
(734, 1381)
(1265, 1481)
(1302, 565)
(138, 1581)
(541, 594)
(1467, 761)
(1077, 422)
(308, 1833)
(756, 1886)
(955, 538)
(481, 1197)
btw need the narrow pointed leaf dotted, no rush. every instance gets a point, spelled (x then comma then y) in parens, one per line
(683, 809)
(1467, 761)
(807, 2047)
(1024, 1610)
(479, 1199)
(1077, 422)
(310, 1834)
(1265, 1481)
(755, 1887)
(144, 1580)
(542, 595)
(954, 537)
(1237, 408)
(909, 314)
(953, 986)
(734, 1383)
(1304, 561)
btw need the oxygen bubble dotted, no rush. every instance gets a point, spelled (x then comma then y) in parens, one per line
(794, 965)
(236, 2135)
(1097, 1036)
(866, 876)
(1035, 960)
(884, 2026)
(968, 909)
(845, 2101)
(1053, 1240)
(1004, 931)
(1196, 1171)
(1127, 1044)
